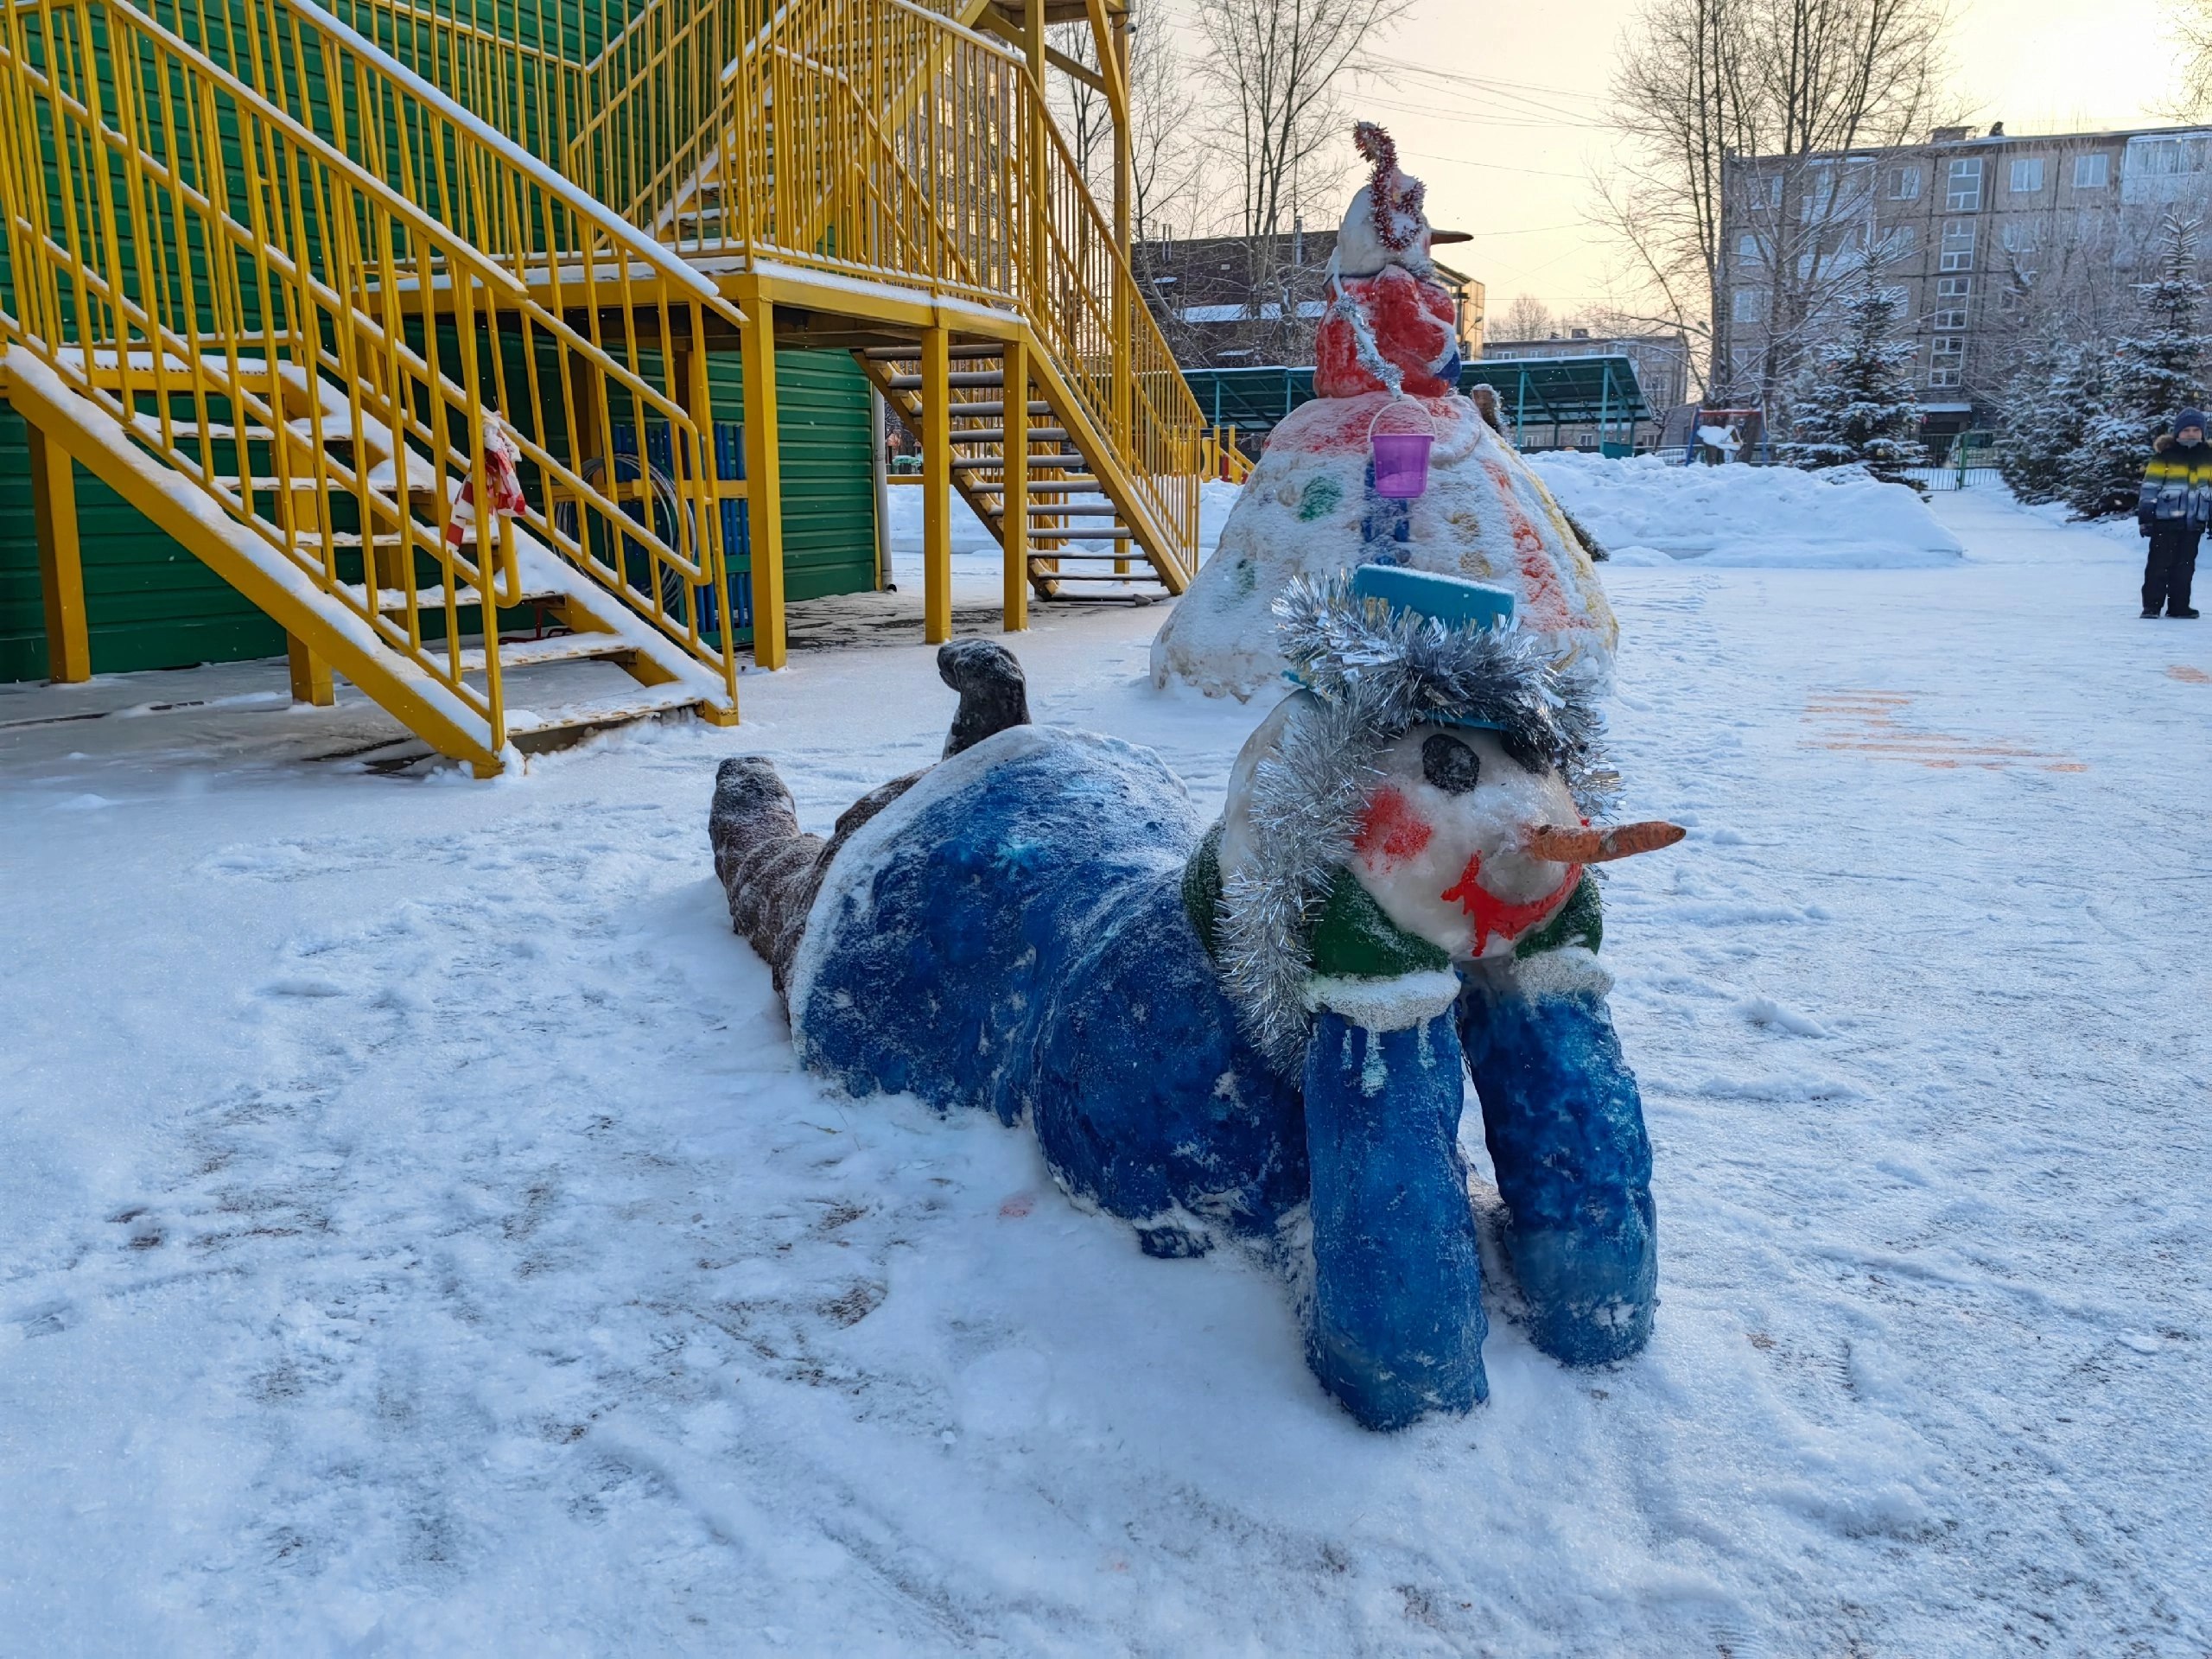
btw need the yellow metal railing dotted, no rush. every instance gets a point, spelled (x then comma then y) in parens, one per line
(1222, 459)
(306, 281)
(877, 139)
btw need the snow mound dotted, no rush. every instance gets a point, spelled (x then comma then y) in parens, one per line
(1778, 516)
(1309, 508)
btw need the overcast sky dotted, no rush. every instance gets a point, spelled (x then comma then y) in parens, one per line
(1501, 109)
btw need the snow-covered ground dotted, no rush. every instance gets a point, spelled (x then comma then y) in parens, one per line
(1649, 511)
(414, 1237)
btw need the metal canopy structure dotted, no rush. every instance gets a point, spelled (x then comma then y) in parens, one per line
(1251, 400)
(1562, 392)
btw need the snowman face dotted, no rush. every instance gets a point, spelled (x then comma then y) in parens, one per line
(1439, 843)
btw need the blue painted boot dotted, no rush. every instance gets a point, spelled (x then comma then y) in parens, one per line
(1396, 1327)
(1565, 1126)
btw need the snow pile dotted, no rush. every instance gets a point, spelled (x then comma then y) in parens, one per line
(1646, 511)
(419, 1239)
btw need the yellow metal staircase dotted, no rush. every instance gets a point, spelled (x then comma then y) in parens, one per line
(1074, 534)
(275, 290)
(275, 274)
(871, 174)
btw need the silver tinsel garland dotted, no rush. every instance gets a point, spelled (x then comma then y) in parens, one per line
(1372, 672)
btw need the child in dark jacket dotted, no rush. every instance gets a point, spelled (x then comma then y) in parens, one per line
(2172, 509)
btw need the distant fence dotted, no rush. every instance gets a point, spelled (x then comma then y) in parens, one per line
(1967, 467)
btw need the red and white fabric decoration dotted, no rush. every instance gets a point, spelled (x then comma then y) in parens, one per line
(502, 477)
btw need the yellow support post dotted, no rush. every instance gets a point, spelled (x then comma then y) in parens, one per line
(61, 561)
(937, 485)
(311, 678)
(1013, 489)
(764, 480)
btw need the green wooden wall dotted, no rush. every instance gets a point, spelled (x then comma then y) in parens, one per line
(829, 479)
(152, 605)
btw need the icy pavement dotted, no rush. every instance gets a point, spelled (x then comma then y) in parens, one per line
(414, 1237)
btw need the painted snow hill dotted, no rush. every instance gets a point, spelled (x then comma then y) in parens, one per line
(1310, 508)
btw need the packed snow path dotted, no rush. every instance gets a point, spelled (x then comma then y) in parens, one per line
(414, 1236)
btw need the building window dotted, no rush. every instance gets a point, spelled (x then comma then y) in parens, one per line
(1954, 318)
(1897, 241)
(1958, 245)
(2027, 175)
(2165, 157)
(2092, 172)
(1767, 193)
(1744, 305)
(1953, 288)
(1904, 184)
(2020, 236)
(1942, 376)
(1964, 195)
(1747, 251)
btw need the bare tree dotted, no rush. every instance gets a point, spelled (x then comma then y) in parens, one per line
(1277, 65)
(1742, 112)
(1084, 117)
(1527, 318)
(1166, 170)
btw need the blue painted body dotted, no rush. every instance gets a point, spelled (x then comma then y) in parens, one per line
(1011, 936)
(1020, 944)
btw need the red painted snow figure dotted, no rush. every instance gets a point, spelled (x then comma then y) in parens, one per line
(1412, 326)
(1498, 919)
(502, 478)
(1342, 482)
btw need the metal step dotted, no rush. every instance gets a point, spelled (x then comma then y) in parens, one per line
(392, 602)
(1143, 573)
(994, 412)
(530, 728)
(997, 435)
(266, 486)
(1079, 553)
(1037, 464)
(352, 538)
(913, 354)
(995, 379)
(1077, 510)
(553, 648)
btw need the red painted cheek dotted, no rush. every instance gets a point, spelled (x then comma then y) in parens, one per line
(1390, 831)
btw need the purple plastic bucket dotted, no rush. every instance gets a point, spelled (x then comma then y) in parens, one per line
(1401, 464)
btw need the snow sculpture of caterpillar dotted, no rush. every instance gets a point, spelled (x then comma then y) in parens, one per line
(1209, 1027)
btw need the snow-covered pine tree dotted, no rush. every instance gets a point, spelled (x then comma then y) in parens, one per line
(2153, 372)
(2048, 403)
(1854, 405)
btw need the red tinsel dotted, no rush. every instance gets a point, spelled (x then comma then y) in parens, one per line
(1394, 200)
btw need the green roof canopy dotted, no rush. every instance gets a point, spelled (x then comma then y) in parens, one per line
(1555, 391)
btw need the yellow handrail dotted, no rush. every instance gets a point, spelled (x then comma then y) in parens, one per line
(307, 282)
(1224, 459)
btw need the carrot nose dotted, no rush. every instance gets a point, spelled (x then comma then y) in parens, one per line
(1584, 846)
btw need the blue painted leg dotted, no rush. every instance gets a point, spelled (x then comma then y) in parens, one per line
(1397, 1325)
(1565, 1125)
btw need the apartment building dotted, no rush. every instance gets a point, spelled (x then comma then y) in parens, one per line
(1966, 227)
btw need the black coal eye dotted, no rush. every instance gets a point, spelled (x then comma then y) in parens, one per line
(1450, 765)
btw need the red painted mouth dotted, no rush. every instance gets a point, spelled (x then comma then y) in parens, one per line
(1494, 917)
